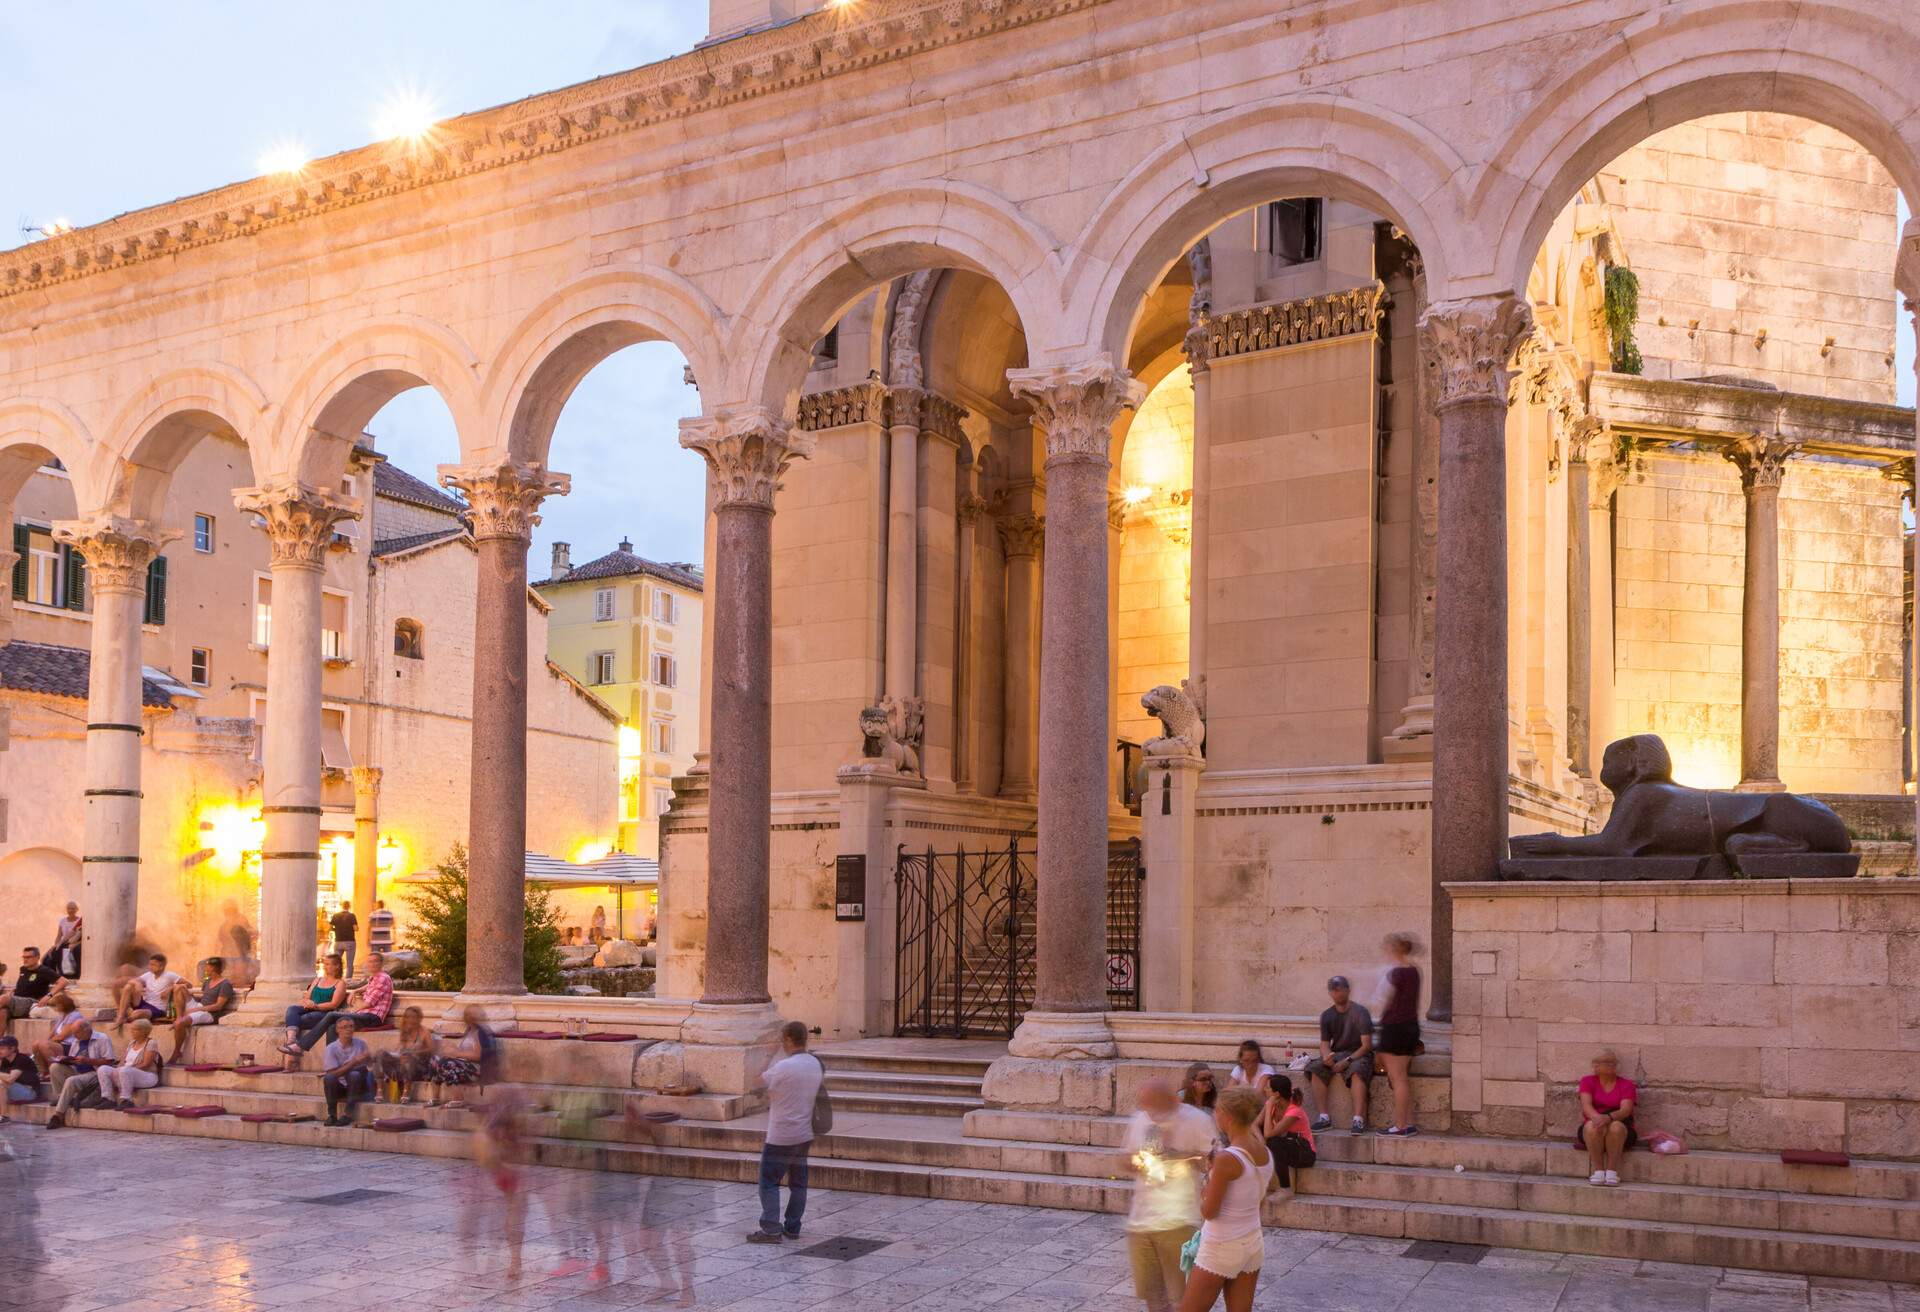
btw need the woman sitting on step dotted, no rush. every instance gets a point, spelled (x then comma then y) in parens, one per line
(475, 1059)
(1197, 1087)
(325, 996)
(1607, 1100)
(409, 1061)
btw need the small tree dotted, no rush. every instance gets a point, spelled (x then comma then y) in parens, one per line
(439, 931)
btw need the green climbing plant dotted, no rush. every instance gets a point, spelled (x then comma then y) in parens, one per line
(1623, 307)
(439, 930)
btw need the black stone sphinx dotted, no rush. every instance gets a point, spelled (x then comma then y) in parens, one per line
(1663, 830)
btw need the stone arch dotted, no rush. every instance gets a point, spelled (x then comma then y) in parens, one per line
(577, 327)
(33, 428)
(926, 226)
(1227, 163)
(1846, 66)
(331, 402)
(165, 420)
(36, 882)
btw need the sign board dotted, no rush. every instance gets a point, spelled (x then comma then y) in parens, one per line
(850, 887)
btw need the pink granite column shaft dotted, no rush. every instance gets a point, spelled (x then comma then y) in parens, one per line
(1077, 407)
(503, 501)
(746, 454)
(1906, 280)
(1467, 346)
(1762, 463)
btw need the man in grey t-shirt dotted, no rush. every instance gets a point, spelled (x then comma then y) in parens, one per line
(1346, 1054)
(792, 1084)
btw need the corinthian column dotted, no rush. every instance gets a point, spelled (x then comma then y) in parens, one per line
(503, 501)
(117, 552)
(746, 453)
(1020, 538)
(300, 520)
(1762, 463)
(1077, 406)
(366, 850)
(1466, 346)
(1906, 278)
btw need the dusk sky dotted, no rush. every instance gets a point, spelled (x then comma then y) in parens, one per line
(111, 114)
(133, 105)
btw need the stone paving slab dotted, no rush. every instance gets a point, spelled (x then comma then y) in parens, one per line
(193, 1225)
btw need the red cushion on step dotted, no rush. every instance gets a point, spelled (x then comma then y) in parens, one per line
(256, 1070)
(608, 1036)
(529, 1034)
(1810, 1157)
(399, 1124)
(197, 1113)
(201, 1067)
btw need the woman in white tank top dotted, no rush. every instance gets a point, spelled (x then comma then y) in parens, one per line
(1231, 1240)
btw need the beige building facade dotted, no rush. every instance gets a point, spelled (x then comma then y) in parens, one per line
(630, 628)
(1385, 247)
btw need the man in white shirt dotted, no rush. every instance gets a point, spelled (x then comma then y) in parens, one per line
(792, 1085)
(1166, 1145)
(151, 994)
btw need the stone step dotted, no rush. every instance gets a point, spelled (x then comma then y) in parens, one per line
(881, 1083)
(1770, 1249)
(967, 1067)
(918, 1104)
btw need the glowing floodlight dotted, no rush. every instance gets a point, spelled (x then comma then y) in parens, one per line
(283, 157)
(55, 228)
(408, 116)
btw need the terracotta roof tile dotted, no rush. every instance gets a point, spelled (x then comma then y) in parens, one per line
(51, 671)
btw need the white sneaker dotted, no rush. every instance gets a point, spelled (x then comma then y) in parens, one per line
(1613, 1177)
(1598, 1177)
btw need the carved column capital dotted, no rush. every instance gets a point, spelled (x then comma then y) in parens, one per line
(366, 780)
(1077, 405)
(1899, 470)
(972, 507)
(1593, 443)
(300, 519)
(1467, 346)
(1021, 535)
(503, 500)
(1762, 461)
(1199, 355)
(746, 453)
(117, 550)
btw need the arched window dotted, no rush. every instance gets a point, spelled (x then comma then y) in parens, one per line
(410, 639)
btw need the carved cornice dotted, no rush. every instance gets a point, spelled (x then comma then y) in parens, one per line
(842, 406)
(942, 418)
(1899, 470)
(503, 500)
(1077, 405)
(1327, 318)
(1467, 345)
(117, 550)
(1762, 461)
(746, 453)
(300, 519)
(1022, 535)
(807, 50)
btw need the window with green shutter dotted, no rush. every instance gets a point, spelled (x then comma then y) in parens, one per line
(22, 552)
(75, 572)
(157, 591)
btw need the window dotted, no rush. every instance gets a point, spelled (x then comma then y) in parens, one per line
(156, 605)
(1293, 231)
(262, 612)
(47, 573)
(203, 534)
(665, 606)
(201, 673)
(662, 799)
(662, 736)
(410, 639)
(603, 603)
(600, 667)
(334, 630)
(664, 669)
(333, 739)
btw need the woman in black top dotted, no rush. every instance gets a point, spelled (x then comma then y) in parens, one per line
(1399, 1031)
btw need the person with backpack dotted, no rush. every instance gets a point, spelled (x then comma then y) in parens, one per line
(797, 1110)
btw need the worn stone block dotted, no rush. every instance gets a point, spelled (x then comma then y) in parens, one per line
(1771, 1124)
(1699, 911)
(1627, 913)
(1736, 957)
(1513, 1093)
(1836, 958)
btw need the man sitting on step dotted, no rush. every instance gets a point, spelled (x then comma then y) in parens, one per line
(75, 1074)
(367, 1006)
(19, 1076)
(346, 1078)
(215, 1000)
(1346, 1055)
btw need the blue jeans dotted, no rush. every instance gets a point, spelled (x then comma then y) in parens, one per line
(311, 1024)
(779, 1162)
(321, 1027)
(353, 1087)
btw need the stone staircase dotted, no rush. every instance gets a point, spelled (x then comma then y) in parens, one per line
(897, 1131)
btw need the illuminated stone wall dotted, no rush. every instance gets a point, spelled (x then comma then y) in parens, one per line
(1156, 472)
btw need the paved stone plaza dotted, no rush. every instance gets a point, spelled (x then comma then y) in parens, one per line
(102, 1220)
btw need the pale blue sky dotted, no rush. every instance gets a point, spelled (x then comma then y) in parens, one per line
(121, 106)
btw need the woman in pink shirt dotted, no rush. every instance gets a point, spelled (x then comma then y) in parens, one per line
(1606, 1117)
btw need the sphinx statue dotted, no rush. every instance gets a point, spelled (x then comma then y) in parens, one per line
(1663, 830)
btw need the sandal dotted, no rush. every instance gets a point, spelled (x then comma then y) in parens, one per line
(1400, 1131)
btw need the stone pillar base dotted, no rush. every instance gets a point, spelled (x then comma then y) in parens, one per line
(722, 1049)
(1064, 1035)
(1041, 1085)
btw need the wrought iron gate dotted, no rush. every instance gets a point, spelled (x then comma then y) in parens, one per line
(965, 938)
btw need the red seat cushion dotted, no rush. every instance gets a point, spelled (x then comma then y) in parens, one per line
(256, 1070)
(399, 1124)
(147, 1111)
(258, 1118)
(197, 1113)
(1811, 1157)
(529, 1034)
(608, 1036)
(201, 1067)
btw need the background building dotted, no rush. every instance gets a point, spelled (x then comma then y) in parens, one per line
(630, 629)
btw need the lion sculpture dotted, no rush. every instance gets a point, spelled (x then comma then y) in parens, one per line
(890, 731)
(1758, 833)
(1183, 714)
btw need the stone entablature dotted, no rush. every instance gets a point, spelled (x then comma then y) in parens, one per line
(1754, 1014)
(1693, 411)
(875, 402)
(1327, 318)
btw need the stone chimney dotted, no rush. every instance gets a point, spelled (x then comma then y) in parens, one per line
(626, 546)
(562, 559)
(727, 18)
